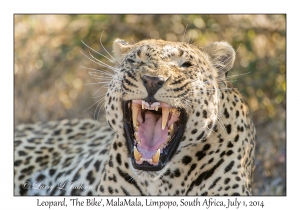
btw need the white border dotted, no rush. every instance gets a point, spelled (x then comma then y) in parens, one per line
(154, 6)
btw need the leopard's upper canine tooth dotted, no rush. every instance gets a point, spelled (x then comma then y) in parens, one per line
(137, 154)
(136, 136)
(156, 108)
(165, 116)
(155, 157)
(135, 110)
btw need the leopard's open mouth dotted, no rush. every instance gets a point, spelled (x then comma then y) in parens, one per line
(153, 132)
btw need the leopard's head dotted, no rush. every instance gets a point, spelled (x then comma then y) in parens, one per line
(164, 96)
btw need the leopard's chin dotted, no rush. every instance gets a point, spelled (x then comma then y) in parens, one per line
(153, 132)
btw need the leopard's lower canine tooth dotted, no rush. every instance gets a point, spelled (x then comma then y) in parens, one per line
(137, 154)
(171, 129)
(168, 138)
(155, 157)
(165, 117)
(135, 111)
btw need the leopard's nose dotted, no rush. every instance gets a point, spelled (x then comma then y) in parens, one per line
(152, 85)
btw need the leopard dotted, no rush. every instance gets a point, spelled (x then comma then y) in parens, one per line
(175, 125)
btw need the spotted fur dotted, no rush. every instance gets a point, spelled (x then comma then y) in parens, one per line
(215, 154)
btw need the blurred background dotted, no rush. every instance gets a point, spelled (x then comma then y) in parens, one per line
(50, 82)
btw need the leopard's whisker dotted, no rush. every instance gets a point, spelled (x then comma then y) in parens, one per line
(106, 50)
(101, 63)
(100, 108)
(101, 101)
(106, 65)
(106, 85)
(184, 33)
(97, 51)
(98, 83)
(236, 75)
(93, 104)
(101, 95)
(100, 71)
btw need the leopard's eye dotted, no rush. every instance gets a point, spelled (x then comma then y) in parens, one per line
(130, 60)
(186, 64)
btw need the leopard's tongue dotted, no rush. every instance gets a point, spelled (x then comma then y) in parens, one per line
(151, 135)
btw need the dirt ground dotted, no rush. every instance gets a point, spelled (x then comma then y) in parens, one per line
(270, 159)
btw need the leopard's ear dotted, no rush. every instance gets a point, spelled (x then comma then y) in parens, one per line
(120, 48)
(222, 56)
